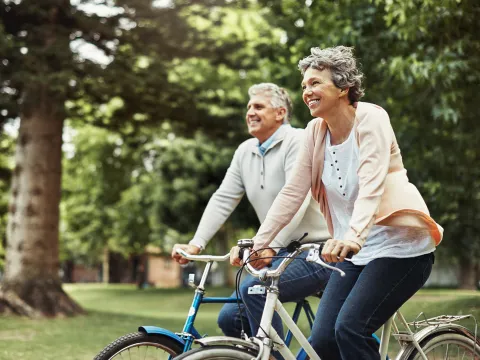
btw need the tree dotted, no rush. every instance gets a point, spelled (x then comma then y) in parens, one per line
(45, 79)
(439, 65)
(6, 154)
(97, 169)
(421, 61)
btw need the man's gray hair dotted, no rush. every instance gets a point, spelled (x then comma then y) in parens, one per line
(278, 97)
(342, 64)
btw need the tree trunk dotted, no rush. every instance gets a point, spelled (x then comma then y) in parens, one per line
(106, 265)
(468, 274)
(31, 285)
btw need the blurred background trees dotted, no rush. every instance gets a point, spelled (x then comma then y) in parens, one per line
(146, 100)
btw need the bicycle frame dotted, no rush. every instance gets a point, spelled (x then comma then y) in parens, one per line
(189, 333)
(268, 334)
(268, 339)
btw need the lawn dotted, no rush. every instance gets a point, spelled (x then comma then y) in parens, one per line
(115, 310)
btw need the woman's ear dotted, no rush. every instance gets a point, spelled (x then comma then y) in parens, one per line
(343, 92)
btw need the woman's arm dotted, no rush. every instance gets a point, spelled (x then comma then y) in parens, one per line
(375, 137)
(292, 195)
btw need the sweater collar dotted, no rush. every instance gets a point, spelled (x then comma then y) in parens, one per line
(272, 141)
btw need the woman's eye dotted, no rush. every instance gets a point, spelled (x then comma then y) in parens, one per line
(303, 87)
(315, 82)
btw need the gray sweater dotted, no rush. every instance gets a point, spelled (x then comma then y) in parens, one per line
(262, 178)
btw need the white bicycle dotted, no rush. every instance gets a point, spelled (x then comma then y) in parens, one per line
(440, 337)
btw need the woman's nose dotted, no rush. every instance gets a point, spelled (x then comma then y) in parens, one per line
(307, 91)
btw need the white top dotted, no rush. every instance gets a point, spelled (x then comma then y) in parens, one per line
(341, 185)
(261, 178)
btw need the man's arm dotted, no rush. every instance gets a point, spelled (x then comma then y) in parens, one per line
(221, 204)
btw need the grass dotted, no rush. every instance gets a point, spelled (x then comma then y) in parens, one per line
(115, 310)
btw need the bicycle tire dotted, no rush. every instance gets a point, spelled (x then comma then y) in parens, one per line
(218, 352)
(137, 344)
(450, 346)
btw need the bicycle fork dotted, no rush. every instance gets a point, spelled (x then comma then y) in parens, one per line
(267, 336)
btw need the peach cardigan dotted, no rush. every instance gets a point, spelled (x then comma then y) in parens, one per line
(385, 197)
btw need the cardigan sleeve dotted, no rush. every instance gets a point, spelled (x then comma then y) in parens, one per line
(283, 238)
(375, 138)
(292, 195)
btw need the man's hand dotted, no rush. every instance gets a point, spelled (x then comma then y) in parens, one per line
(234, 259)
(190, 249)
(337, 250)
(254, 259)
(262, 258)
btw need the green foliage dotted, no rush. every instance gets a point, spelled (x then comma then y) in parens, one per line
(128, 197)
(97, 169)
(172, 97)
(421, 61)
(145, 60)
(171, 190)
(439, 67)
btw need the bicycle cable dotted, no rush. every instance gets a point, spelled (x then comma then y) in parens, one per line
(237, 290)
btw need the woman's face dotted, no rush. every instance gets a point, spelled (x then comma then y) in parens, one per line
(319, 92)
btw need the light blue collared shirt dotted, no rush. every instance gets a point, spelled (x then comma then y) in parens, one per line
(266, 144)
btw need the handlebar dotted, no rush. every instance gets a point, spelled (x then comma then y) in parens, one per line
(313, 256)
(205, 258)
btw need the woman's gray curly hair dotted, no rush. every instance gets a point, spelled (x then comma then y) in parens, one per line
(342, 64)
(279, 97)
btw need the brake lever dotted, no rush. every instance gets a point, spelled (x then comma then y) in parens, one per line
(314, 256)
(321, 262)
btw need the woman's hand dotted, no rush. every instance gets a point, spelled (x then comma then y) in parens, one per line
(337, 250)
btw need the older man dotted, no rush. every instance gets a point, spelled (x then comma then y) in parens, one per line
(260, 167)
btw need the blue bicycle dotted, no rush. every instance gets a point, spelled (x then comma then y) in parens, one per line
(151, 342)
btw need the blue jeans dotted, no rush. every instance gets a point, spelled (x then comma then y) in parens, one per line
(300, 279)
(355, 306)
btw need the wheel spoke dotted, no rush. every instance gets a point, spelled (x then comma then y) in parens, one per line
(448, 346)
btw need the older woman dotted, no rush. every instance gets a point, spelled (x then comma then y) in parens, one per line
(351, 161)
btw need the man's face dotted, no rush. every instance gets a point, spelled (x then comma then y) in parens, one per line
(262, 119)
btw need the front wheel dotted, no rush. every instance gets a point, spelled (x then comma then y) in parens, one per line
(447, 346)
(218, 353)
(143, 346)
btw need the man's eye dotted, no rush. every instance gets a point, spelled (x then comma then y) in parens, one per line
(303, 87)
(315, 82)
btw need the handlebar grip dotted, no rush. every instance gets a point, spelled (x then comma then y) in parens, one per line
(349, 255)
(240, 253)
(240, 256)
